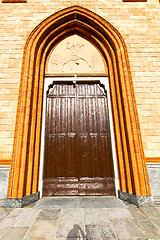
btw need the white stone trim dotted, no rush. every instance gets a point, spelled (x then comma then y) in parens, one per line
(4, 170)
(154, 178)
(153, 165)
(5, 167)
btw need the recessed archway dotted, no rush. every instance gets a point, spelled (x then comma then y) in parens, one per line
(24, 175)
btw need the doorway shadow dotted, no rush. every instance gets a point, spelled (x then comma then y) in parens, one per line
(76, 233)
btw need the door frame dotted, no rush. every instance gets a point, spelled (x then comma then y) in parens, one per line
(104, 80)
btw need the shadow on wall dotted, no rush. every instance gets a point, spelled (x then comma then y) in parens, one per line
(76, 233)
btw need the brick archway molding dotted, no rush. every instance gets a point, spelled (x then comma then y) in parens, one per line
(24, 174)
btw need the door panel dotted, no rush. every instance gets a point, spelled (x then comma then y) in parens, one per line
(78, 156)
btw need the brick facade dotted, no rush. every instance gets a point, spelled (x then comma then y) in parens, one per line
(137, 22)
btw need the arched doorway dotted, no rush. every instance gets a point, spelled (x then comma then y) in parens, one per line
(78, 123)
(24, 175)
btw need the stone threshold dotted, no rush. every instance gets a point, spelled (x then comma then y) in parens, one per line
(130, 198)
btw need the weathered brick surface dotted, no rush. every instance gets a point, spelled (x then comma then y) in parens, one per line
(138, 23)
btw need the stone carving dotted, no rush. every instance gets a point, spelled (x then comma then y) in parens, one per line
(56, 63)
(75, 55)
(76, 60)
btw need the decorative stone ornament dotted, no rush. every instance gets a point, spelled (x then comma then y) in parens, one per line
(75, 55)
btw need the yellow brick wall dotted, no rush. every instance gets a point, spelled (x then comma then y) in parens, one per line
(137, 22)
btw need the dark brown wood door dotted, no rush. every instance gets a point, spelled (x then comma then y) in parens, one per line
(78, 156)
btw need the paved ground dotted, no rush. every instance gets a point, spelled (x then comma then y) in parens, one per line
(80, 218)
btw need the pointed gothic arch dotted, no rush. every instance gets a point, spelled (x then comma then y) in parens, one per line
(24, 174)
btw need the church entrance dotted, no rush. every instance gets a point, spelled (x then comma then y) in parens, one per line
(76, 42)
(78, 153)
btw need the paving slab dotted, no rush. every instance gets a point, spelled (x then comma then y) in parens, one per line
(14, 233)
(101, 202)
(114, 213)
(155, 222)
(15, 213)
(2, 230)
(26, 217)
(4, 213)
(85, 218)
(80, 202)
(128, 230)
(68, 238)
(150, 212)
(95, 216)
(79, 238)
(72, 228)
(137, 214)
(96, 232)
(152, 231)
(5, 224)
(42, 229)
(49, 203)
(52, 214)
(70, 214)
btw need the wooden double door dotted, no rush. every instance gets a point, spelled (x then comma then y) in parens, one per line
(78, 155)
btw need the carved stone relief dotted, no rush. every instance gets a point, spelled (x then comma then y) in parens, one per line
(75, 55)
